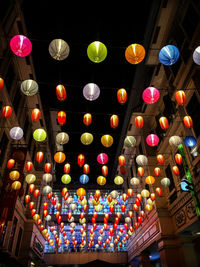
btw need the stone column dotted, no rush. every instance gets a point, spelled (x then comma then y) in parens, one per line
(144, 259)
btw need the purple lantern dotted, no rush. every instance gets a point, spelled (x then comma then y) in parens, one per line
(150, 95)
(21, 45)
(102, 158)
(91, 91)
(152, 140)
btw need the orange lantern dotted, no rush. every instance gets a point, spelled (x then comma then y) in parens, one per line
(33, 212)
(87, 119)
(31, 205)
(114, 121)
(1, 83)
(124, 196)
(6, 112)
(150, 180)
(175, 170)
(160, 159)
(139, 122)
(29, 166)
(61, 117)
(64, 191)
(10, 163)
(121, 160)
(80, 192)
(31, 188)
(130, 214)
(178, 158)
(140, 171)
(35, 115)
(39, 156)
(187, 120)
(164, 124)
(97, 194)
(122, 96)
(104, 170)
(159, 191)
(47, 167)
(81, 160)
(153, 196)
(61, 92)
(36, 193)
(59, 157)
(86, 168)
(135, 53)
(180, 97)
(27, 199)
(157, 171)
(130, 192)
(67, 168)
(135, 207)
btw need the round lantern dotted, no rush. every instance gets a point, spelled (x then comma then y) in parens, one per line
(175, 170)
(129, 141)
(102, 158)
(1, 83)
(80, 192)
(145, 193)
(14, 175)
(20, 45)
(169, 55)
(141, 160)
(157, 171)
(107, 140)
(180, 97)
(150, 180)
(134, 53)
(175, 140)
(61, 92)
(47, 189)
(16, 133)
(6, 112)
(48, 218)
(165, 181)
(10, 163)
(104, 170)
(134, 181)
(84, 179)
(114, 194)
(47, 177)
(91, 91)
(196, 55)
(86, 168)
(114, 121)
(87, 119)
(97, 52)
(29, 87)
(61, 117)
(118, 180)
(164, 124)
(101, 180)
(160, 159)
(139, 122)
(39, 156)
(62, 138)
(59, 157)
(29, 166)
(66, 179)
(148, 207)
(187, 120)
(30, 178)
(47, 167)
(190, 141)
(67, 168)
(121, 160)
(81, 160)
(35, 115)
(39, 135)
(122, 96)
(152, 140)
(16, 185)
(150, 95)
(178, 158)
(59, 49)
(86, 138)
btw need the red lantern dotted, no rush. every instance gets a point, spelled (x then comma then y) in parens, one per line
(116, 220)
(159, 191)
(125, 226)
(39, 156)
(180, 97)
(61, 117)
(10, 163)
(122, 170)
(130, 214)
(142, 213)
(6, 112)
(136, 225)
(114, 121)
(122, 96)
(95, 214)
(178, 158)
(58, 206)
(35, 115)
(121, 160)
(47, 167)
(137, 202)
(164, 124)
(187, 120)
(61, 92)
(135, 207)
(130, 192)
(160, 159)
(64, 191)
(41, 227)
(67, 168)
(87, 119)
(139, 220)
(69, 215)
(45, 206)
(59, 219)
(31, 188)
(97, 194)
(106, 216)
(153, 196)
(175, 170)
(29, 166)
(157, 171)
(45, 213)
(111, 208)
(39, 221)
(115, 226)
(86, 168)
(82, 215)
(57, 214)
(104, 170)
(105, 226)
(93, 220)
(139, 122)
(54, 200)
(140, 171)
(1, 83)
(81, 160)
(124, 197)
(109, 198)
(123, 208)
(50, 195)
(27, 199)
(94, 226)
(139, 196)
(31, 205)
(85, 208)
(118, 214)
(36, 193)
(33, 212)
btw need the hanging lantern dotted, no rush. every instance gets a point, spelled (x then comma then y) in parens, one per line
(175, 140)
(150, 180)
(122, 170)
(20, 45)
(59, 157)
(61, 92)
(196, 55)
(164, 124)
(61, 117)
(152, 196)
(140, 171)
(121, 160)
(139, 122)
(81, 160)
(49, 195)
(47, 177)
(148, 207)
(122, 96)
(7, 111)
(165, 181)
(62, 138)
(175, 170)
(16, 133)
(150, 95)
(135, 53)
(190, 141)
(187, 120)
(101, 180)
(31, 188)
(124, 197)
(114, 121)
(39, 135)
(36, 193)
(130, 192)
(160, 159)
(141, 160)
(135, 207)
(86, 168)
(152, 140)
(84, 179)
(86, 138)
(29, 87)
(129, 141)
(87, 119)
(30, 178)
(80, 192)
(47, 167)
(134, 181)
(180, 97)
(104, 170)
(102, 158)
(97, 52)
(1, 83)
(66, 179)
(59, 49)
(67, 168)
(178, 159)
(107, 140)
(16, 185)
(47, 189)
(159, 191)
(169, 55)
(29, 166)
(145, 193)
(10, 163)
(35, 115)
(138, 200)
(91, 91)
(39, 156)
(118, 180)
(157, 171)
(14, 175)
(27, 199)
(114, 194)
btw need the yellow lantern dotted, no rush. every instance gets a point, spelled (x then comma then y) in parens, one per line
(36, 217)
(145, 193)
(14, 175)
(30, 178)
(118, 180)
(150, 202)
(150, 180)
(86, 138)
(107, 140)
(98, 207)
(148, 207)
(101, 180)
(16, 185)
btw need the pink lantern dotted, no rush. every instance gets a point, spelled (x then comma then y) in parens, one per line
(150, 95)
(152, 140)
(21, 45)
(102, 158)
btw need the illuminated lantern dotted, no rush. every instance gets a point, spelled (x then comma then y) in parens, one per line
(64, 191)
(134, 181)
(114, 121)
(61, 92)
(14, 175)
(62, 138)
(152, 140)
(45, 213)
(178, 158)
(6, 112)
(157, 171)
(190, 141)
(129, 141)
(126, 226)
(169, 55)
(39, 156)
(150, 95)
(10, 163)
(145, 193)
(102, 158)
(39, 135)
(20, 45)
(118, 180)
(67, 168)
(39, 221)
(136, 225)
(114, 194)
(153, 196)
(97, 52)
(139, 197)
(164, 124)
(84, 179)
(36, 193)
(29, 87)
(123, 208)
(91, 91)
(59, 157)
(49, 195)
(180, 97)
(121, 160)
(137, 201)
(122, 96)
(135, 53)
(81, 160)
(80, 192)
(187, 120)
(86, 138)
(27, 199)
(160, 159)
(29, 166)
(107, 140)
(109, 198)
(101, 180)
(86, 168)
(47, 177)
(58, 206)
(61, 117)
(16, 185)
(122, 170)
(140, 171)
(97, 194)
(30, 178)
(165, 181)
(111, 208)
(104, 170)
(47, 189)
(47, 167)
(141, 160)
(135, 207)
(130, 192)
(175, 140)
(130, 214)
(66, 178)
(31, 188)
(139, 122)
(59, 49)
(196, 55)
(124, 196)
(87, 119)
(175, 170)
(31, 205)
(1, 83)
(33, 212)
(35, 115)
(142, 213)
(16, 133)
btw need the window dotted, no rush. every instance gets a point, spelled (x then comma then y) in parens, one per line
(12, 234)
(192, 110)
(18, 242)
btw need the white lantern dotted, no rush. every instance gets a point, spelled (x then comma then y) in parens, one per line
(130, 141)
(30, 178)
(128, 220)
(71, 220)
(83, 202)
(29, 87)
(114, 194)
(72, 225)
(165, 181)
(111, 245)
(175, 140)
(69, 200)
(48, 218)
(134, 181)
(91, 91)
(73, 206)
(47, 177)
(16, 133)
(62, 138)
(47, 189)
(141, 160)
(59, 49)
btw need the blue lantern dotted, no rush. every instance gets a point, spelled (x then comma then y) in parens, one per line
(190, 141)
(84, 179)
(168, 55)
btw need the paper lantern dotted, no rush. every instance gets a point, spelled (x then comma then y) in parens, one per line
(39, 156)
(165, 181)
(86, 138)
(175, 170)
(102, 158)
(61, 117)
(16, 133)
(104, 170)
(139, 122)
(31, 188)
(134, 181)
(29, 87)
(36, 193)
(114, 194)
(150, 180)
(59, 49)
(39, 135)
(129, 141)
(152, 140)
(190, 141)
(130, 192)
(118, 180)
(10, 163)
(187, 120)
(141, 160)
(59, 157)
(145, 193)
(1, 83)
(27, 199)
(47, 167)
(16, 185)
(66, 179)
(47, 177)
(196, 55)
(67, 168)
(97, 52)
(80, 192)
(87, 119)
(169, 55)
(84, 179)
(180, 97)
(157, 171)
(62, 138)
(107, 140)
(122, 170)
(150, 95)
(135, 53)
(152, 196)
(140, 171)
(61, 92)
(30, 178)
(20, 45)
(122, 96)
(114, 121)
(178, 158)
(91, 91)
(14, 175)
(148, 207)
(29, 166)
(49, 195)
(164, 124)
(35, 115)
(160, 159)
(47, 189)
(175, 140)
(121, 160)
(86, 168)
(7, 111)
(81, 160)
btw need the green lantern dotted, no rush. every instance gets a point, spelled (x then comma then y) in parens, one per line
(97, 52)
(39, 135)
(66, 178)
